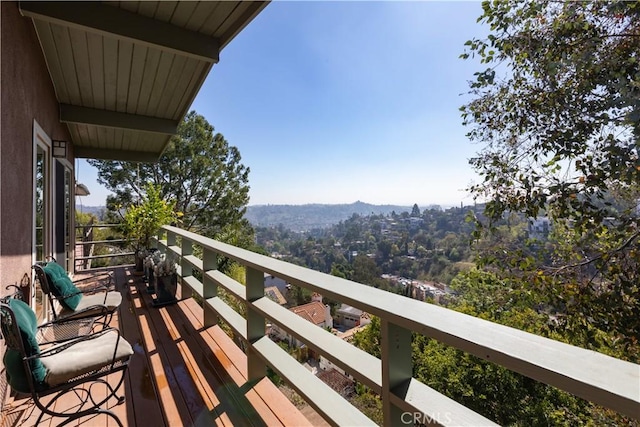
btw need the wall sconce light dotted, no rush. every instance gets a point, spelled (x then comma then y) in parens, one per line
(59, 148)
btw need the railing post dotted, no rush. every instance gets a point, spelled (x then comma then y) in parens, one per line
(209, 287)
(171, 239)
(396, 369)
(186, 268)
(256, 368)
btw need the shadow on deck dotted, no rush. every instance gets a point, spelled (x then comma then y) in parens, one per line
(181, 373)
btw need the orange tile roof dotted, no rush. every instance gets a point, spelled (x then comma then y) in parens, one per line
(313, 312)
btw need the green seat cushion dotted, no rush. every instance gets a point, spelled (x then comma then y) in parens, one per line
(28, 326)
(62, 286)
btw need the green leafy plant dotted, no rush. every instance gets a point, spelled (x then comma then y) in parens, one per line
(143, 220)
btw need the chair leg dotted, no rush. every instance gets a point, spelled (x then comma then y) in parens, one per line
(85, 396)
(97, 411)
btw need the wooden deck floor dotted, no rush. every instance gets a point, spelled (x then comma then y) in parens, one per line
(180, 374)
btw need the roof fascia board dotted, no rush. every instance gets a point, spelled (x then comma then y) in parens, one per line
(122, 155)
(113, 119)
(109, 20)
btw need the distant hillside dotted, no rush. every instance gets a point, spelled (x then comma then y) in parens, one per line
(98, 211)
(307, 217)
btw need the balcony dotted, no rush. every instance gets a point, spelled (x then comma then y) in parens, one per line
(187, 371)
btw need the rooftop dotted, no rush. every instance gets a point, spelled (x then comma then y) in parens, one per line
(314, 312)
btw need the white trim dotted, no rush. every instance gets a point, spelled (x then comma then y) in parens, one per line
(42, 141)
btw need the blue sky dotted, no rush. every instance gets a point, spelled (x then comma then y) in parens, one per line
(333, 102)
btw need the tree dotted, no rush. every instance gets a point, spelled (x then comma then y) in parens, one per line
(199, 170)
(558, 107)
(558, 115)
(365, 271)
(415, 211)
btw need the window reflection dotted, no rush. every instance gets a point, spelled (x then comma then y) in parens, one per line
(40, 223)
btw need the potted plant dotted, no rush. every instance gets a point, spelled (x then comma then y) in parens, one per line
(166, 281)
(143, 220)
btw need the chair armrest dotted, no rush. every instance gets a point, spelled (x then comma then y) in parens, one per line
(66, 344)
(17, 293)
(64, 330)
(92, 291)
(100, 277)
(99, 313)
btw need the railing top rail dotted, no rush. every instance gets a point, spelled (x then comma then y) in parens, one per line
(594, 376)
(98, 225)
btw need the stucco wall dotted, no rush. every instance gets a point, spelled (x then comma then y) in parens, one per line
(27, 94)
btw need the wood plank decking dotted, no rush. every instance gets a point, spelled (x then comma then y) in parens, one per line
(181, 373)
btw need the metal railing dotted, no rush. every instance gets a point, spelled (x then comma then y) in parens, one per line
(601, 379)
(87, 246)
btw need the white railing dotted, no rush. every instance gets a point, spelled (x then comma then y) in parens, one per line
(601, 379)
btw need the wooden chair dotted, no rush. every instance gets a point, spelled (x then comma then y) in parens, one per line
(70, 302)
(71, 366)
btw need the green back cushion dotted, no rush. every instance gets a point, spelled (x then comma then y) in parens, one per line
(28, 325)
(61, 285)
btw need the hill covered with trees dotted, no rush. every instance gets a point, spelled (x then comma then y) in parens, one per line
(431, 245)
(310, 216)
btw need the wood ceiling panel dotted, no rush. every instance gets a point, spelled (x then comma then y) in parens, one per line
(53, 64)
(131, 6)
(148, 80)
(146, 141)
(96, 69)
(128, 140)
(83, 135)
(138, 61)
(110, 48)
(148, 8)
(105, 137)
(152, 143)
(165, 10)
(183, 13)
(211, 27)
(75, 136)
(170, 94)
(125, 51)
(80, 51)
(197, 76)
(164, 67)
(118, 138)
(237, 20)
(92, 135)
(65, 57)
(204, 12)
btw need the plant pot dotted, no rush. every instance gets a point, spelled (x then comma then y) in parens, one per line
(166, 287)
(150, 279)
(139, 263)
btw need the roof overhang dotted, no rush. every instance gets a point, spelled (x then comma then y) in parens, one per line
(126, 73)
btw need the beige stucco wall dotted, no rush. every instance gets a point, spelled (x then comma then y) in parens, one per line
(27, 94)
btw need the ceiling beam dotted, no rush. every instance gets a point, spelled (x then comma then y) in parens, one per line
(112, 21)
(112, 119)
(122, 155)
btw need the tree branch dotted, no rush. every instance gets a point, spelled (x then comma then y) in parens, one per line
(588, 261)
